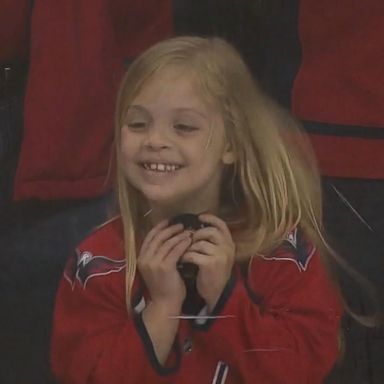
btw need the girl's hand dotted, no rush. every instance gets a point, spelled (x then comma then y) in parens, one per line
(162, 248)
(213, 251)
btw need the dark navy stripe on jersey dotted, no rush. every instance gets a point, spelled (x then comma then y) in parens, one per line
(343, 130)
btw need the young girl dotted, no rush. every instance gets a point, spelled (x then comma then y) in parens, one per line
(194, 134)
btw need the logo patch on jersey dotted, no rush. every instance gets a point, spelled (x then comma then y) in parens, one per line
(295, 248)
(83, 266)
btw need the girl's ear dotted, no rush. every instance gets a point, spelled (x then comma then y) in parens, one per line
(228, 156)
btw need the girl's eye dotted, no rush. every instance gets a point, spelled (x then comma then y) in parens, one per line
(185, 127)
(137, 125)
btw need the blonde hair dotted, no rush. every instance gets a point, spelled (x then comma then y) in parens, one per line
(274, 184)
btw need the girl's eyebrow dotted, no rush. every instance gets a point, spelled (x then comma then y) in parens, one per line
(193, 110)
(137, 107)
(140, 108)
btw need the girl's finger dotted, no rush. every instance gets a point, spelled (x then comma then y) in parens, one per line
(152, 233)
(163, 251)
(177, 251)
(215, 222)
(210, 234)
(159, 236)
(195, 258)
(203, 247)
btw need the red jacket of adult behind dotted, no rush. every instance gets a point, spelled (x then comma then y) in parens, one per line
(78, 51)
(339, 89)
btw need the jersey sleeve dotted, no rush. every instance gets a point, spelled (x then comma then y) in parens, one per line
(95, 340)
(280, 324)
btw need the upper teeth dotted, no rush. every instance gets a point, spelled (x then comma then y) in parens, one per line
(161, 167)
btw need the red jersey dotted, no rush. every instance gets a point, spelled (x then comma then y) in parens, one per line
(339, 88)
(277, 323)
(78, 54)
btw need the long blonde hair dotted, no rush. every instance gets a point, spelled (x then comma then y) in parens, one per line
(274, 184)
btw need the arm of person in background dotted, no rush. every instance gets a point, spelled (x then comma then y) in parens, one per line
(14, 30)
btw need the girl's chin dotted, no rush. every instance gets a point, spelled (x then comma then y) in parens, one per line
(170, 203)
(158, 200)
(166, 203)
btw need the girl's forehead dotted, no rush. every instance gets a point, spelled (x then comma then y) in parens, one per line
(174, 85)
(171, 77)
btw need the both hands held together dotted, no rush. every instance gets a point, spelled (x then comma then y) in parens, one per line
(210, 248)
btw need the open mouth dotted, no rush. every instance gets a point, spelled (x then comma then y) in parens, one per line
(160, 167)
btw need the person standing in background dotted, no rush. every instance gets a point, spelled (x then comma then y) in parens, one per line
(338, 93)
(78, 52)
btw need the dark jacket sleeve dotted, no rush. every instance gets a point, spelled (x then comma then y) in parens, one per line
(14, 30)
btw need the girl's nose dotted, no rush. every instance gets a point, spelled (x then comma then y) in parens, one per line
(156, 138)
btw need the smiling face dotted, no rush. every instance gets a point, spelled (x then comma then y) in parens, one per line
(173, 144)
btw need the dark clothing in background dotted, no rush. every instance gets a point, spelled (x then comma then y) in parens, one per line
(11, 127)
(14, 30)
(14, 44)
